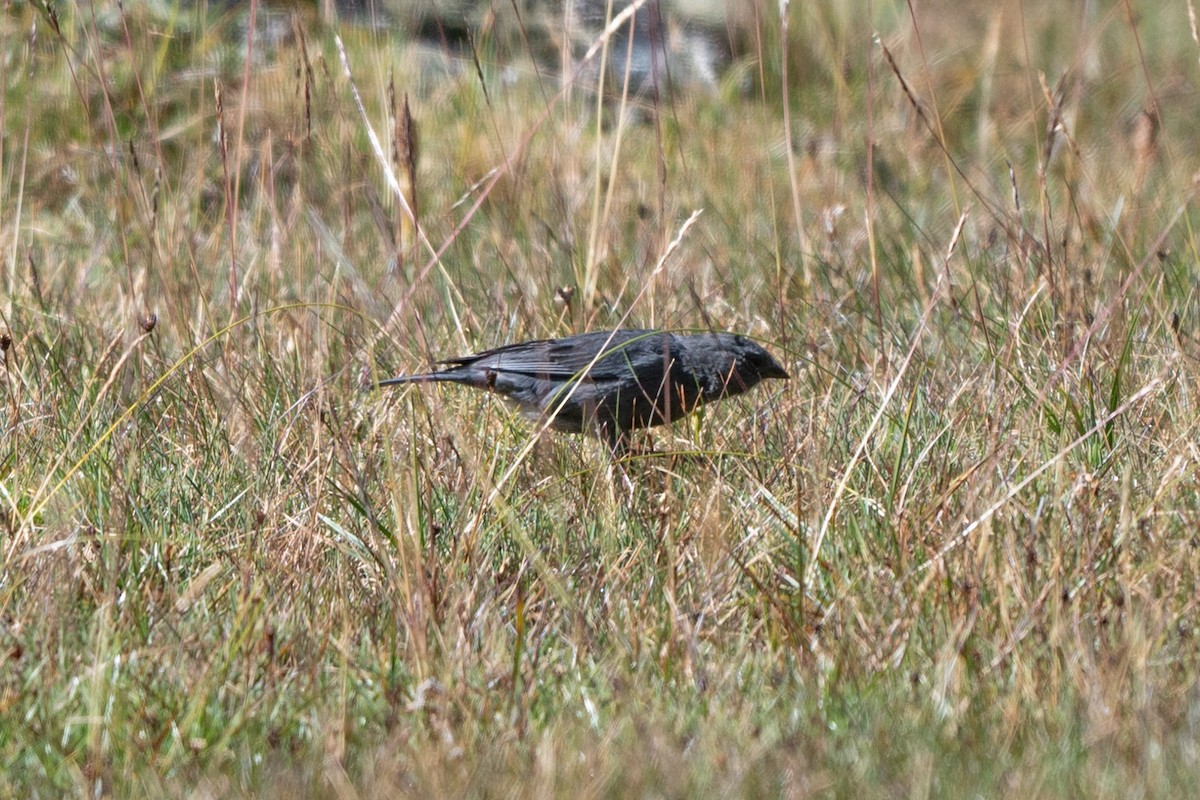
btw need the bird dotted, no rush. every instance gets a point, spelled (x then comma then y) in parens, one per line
(609, 383)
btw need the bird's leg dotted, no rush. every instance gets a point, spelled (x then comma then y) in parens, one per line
(618, 443)
(618, 449)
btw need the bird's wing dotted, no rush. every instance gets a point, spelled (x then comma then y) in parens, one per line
(563, 358)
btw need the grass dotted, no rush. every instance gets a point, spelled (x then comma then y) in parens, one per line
(955, 555)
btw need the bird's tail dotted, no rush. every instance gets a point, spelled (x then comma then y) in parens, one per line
(428, 377)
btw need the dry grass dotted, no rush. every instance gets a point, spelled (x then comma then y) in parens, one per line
(956, 554)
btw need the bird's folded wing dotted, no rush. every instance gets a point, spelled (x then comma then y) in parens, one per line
(620, 352)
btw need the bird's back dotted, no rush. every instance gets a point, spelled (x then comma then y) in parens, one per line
(598, 356)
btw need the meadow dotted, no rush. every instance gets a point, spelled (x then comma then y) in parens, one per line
(955, 555)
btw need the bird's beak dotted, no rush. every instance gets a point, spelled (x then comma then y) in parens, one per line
(776, 371)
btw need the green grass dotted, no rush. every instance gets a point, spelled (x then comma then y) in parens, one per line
(955, 555)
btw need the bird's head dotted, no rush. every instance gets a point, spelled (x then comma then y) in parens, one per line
(738, 365)
(752, 363)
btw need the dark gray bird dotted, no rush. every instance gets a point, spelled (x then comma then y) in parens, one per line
(611, 382)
